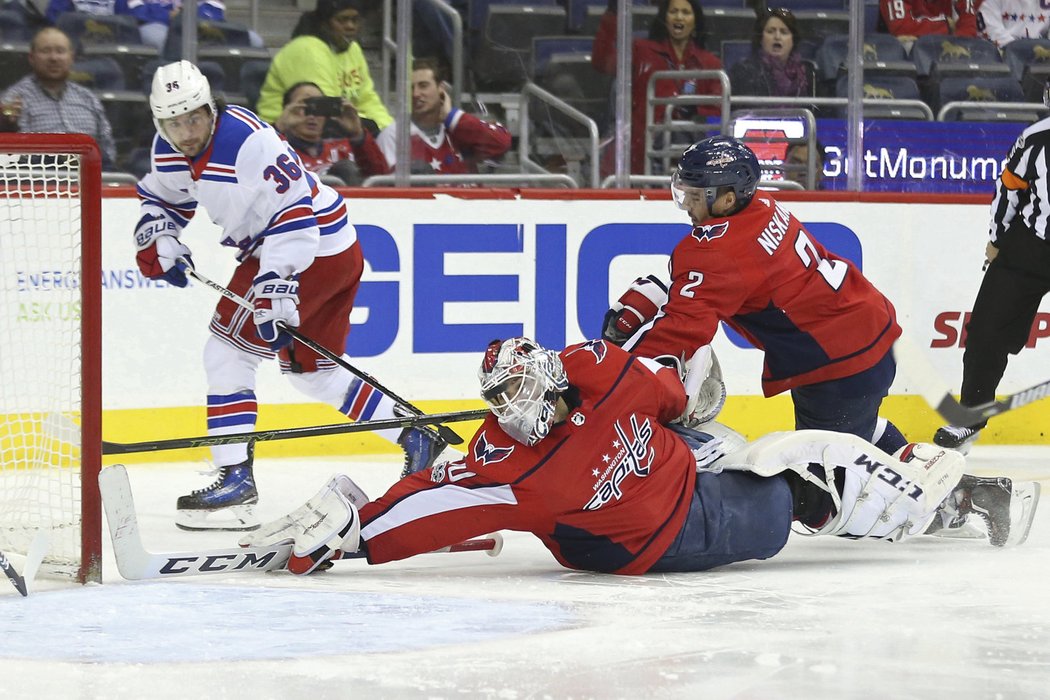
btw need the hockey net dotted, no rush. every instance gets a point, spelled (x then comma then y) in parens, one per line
(50, 357)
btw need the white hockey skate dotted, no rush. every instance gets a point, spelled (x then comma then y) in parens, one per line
(1005, 507)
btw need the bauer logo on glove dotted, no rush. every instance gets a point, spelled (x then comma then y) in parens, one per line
(276, 306)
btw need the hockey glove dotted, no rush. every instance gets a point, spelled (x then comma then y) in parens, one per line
(276, 305)
(638, 305)
(705, 391)
(159, 251)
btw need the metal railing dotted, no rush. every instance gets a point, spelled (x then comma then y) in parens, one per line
(669, 125)
(389, 49)
(481, 179)
(1003, 108)
(524, 147)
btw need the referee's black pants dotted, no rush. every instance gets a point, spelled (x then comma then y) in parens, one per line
(1013, 287)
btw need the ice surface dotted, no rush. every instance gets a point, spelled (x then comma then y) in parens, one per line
(826, 618)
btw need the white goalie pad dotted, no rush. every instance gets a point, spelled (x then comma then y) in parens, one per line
(329, 519)
(881, 496)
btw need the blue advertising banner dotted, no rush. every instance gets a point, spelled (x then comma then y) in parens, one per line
(907, 156)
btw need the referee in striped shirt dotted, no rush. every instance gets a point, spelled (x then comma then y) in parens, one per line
(1016, 278)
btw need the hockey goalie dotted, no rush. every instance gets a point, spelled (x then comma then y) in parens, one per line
(616, 464)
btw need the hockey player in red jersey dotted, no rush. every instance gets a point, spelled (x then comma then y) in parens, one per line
(826, 331)
(578, 451)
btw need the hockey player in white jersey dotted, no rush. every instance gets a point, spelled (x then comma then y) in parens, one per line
(300, 264)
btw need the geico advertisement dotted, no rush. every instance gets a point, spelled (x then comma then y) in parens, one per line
(445, 275)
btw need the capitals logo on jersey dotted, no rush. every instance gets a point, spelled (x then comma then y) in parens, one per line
(596, 348)
(710, 233)
(486, 453)
(633, 456)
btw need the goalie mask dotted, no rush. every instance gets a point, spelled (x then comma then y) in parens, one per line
(521, 383)
(178, 89)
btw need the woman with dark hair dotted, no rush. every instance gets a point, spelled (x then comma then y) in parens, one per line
(323, 50)
(774, 68)
(351, 156)
(675, 43)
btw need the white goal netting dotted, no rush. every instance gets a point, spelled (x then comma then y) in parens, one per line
(40, 356)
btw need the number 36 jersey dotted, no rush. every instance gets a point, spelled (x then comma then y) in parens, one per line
(814, 314)
(256, 189)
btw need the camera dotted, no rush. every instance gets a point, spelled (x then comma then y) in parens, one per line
(322, 106)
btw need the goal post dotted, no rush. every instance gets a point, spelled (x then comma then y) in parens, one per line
(50, 350)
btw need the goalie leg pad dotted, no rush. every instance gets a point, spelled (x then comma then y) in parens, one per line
(880, 496)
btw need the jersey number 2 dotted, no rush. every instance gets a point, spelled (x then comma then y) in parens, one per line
(833, 271)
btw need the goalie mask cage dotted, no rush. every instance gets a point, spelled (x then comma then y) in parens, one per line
(50, 350)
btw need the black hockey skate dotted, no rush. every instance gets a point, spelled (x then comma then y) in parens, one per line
(1006, 508)
(228, 504)
(422, 446)
(955, 437)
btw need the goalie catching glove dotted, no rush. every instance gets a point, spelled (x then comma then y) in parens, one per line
(320, 530)
(635, 308)
(276, 304)
(160, 254)
(705, 391)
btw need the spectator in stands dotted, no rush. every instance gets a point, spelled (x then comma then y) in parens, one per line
(774, 68)
(796, 164)
(909, 19)
(1002, 21)
(91, 7)
(445, 139)
(675, 43)
(323, 50)
(52, 103)
(155, 16)
(303, 124)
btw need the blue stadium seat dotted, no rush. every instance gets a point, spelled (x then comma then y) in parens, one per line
(13, 27)
(210, 34)
(253, 74)
(543, 47)
(479, 11)
(642, 15)
(952, 53)
(890, 88)
(802, 5)
(882, 53)
(726, 24)
(502, 56)
(1021, 53)
(98, 73)
(87, 29)
(975, 90)
(734, 51)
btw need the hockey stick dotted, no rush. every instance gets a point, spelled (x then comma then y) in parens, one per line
(938, 394)
(446, 433)
(16, 578)
(121, 448)
(136, 563)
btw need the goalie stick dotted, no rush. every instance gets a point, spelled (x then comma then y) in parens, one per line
(121, 448)
(16, 578)
(446, 433)
(938, 394)
(136, 563)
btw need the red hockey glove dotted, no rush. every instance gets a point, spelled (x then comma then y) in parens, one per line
(636, 307)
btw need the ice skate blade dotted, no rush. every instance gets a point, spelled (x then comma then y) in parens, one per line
(966, 531)
(229, 519)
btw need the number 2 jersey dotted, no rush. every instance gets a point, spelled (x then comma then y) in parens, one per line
(607, 490)
(814, 314)
(256, 189)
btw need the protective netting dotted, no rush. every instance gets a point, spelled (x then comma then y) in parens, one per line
(40, 348)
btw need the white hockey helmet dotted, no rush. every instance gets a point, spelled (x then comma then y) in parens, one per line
(179, 88)
(521, 383)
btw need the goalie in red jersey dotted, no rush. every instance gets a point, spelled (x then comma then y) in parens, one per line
(826, 331)
(581, 451)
